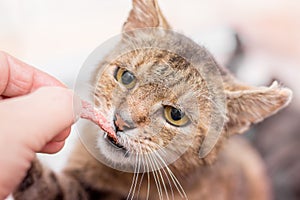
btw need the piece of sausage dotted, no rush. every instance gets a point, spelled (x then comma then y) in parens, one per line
(91, 113)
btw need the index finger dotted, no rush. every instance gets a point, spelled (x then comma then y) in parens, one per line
(18, 78)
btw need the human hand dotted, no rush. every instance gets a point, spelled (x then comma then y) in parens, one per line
(33, 118)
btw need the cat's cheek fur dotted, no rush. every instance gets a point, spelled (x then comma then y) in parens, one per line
(111, 153)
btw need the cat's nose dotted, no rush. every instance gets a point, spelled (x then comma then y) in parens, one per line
(122, 124)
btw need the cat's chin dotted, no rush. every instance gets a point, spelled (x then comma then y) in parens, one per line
(112, 152)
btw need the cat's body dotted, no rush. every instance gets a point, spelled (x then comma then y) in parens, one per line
(237, 174)
(231, 177)
(151, 96)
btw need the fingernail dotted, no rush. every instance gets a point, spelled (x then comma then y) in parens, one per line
(77, 107)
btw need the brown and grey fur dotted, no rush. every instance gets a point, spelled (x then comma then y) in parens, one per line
(232, 170)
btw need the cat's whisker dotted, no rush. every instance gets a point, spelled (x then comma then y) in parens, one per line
(157, 182)
(127, 153)
(173, 177)
(166, 174)
(146, 169)
(140, 185)
(137, 175)
(159, 167)
(155, 161)
(131, 192)
(142, 177)
(155, 176)
(148, 179)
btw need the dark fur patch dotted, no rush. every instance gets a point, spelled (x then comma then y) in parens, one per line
(31, 176)
(59, 194)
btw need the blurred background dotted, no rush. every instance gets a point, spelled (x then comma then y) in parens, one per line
(258, 40)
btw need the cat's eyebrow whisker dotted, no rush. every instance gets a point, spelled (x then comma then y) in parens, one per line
(130, 40)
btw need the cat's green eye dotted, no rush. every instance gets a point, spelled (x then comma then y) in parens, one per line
(175, 116)
(126, 78)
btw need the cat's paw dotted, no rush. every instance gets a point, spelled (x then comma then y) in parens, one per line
(33, 175)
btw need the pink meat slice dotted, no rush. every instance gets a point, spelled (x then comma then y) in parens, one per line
(89, 112)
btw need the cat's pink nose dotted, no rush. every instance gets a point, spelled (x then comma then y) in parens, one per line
(120, 123)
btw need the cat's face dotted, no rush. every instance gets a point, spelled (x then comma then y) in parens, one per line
(155, 99)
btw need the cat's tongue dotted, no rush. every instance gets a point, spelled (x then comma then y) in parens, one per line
(91, 113)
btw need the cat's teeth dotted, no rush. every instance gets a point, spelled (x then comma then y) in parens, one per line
(105, 135)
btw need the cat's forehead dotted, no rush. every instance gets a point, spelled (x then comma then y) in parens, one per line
(153, 60)
(163, 48)
(160, 67)
(167, 73)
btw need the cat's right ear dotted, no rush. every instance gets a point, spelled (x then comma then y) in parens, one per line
(252, 105)
(144, 14)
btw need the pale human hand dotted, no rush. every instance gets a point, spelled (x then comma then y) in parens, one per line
(33, 118)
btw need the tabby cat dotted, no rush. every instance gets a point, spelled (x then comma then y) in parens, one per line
(155, 98)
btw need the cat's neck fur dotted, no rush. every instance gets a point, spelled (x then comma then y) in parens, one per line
(229, 169)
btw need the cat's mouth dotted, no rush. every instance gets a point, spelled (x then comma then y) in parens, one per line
(113, 142)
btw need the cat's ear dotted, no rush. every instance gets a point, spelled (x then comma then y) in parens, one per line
(145, 13)
(252, 105)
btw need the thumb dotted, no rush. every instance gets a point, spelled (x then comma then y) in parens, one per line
(38, 117)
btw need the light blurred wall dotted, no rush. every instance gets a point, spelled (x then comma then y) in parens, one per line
(58, 35)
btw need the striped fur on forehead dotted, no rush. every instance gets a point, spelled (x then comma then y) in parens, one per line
(169, 77)
(160, 39)
(159, 66)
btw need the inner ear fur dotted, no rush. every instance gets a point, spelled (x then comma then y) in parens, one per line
(252, 105)
(145, 13)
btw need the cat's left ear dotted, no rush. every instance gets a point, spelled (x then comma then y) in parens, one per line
(252, 105)
(144, 14)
